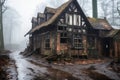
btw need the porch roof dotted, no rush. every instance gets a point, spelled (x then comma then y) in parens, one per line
(112, 33)
(101, 24)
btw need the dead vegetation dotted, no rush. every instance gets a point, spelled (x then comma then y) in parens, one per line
(4, 60)
(4, 51)
(115, 66)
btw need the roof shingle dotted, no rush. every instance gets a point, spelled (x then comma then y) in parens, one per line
(101, 24)
(53, 18)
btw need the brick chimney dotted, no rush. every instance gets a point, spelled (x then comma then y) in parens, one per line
(94, 8)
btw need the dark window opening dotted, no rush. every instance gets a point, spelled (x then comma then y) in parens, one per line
(63, 40)
(63, 37)
(62, 28)
(47, 41)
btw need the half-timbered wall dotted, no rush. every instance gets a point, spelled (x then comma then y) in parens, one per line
(69, 33)
(72, 32)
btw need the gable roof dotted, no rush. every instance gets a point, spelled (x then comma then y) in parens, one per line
(59, 10)
(95, 23)
(101, 24)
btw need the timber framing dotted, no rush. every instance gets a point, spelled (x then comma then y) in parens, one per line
(66, 30)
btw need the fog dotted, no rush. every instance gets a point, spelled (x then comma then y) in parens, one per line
(17, 18)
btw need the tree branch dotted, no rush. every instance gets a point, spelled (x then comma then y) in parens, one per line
(4, 9)
(2, 2)
(118, 8)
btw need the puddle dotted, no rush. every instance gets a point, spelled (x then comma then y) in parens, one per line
(26, 70)
(53, 74)
(37, 64)
(61, 75)
(95, 75)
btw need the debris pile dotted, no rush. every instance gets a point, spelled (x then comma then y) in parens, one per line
(4, 60)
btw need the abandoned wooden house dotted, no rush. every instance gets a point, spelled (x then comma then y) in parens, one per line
(67, 30)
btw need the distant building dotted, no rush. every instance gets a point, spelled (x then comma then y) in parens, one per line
(67, 30)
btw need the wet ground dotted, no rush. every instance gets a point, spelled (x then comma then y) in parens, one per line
(7, 67)
(27, 69)
(36, 68)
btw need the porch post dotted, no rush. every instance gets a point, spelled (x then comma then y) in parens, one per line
(99, 48)
(115, 48)
(111, 49)
(58, 43)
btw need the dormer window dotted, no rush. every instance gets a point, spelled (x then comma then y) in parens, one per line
(49, 12)
(34, 22)
(40, 18)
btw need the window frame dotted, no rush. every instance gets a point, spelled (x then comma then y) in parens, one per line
(47, 41)
(77, 41)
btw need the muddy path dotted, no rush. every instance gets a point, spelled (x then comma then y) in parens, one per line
(27, 69)
(37, 68)
(7, 67)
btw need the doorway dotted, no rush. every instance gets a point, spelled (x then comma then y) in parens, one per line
(106, 47)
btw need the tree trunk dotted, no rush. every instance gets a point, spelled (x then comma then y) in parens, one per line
(1, 29)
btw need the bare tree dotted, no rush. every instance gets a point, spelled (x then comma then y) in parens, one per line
(118, 7)
(110, 11)
(12, 28)
(2, 10)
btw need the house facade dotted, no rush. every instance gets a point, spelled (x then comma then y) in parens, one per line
(67, 30)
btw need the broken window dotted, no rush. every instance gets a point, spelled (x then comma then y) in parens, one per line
(47, 41)
(77, 41)
(63, 37)
(69, 19)
(75, 19)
